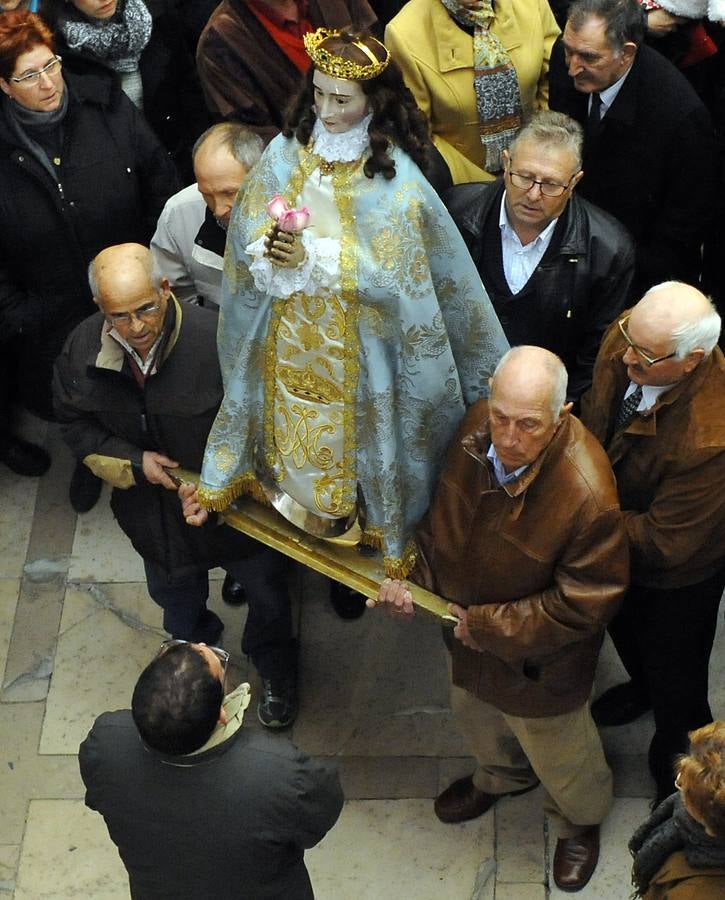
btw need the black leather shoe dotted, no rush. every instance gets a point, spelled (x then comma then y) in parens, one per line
(348, 604)
(277, 707)
(85, 488)
(22, 457)
(620, 705)
(575, 860)
(233, 592)
(462, 800)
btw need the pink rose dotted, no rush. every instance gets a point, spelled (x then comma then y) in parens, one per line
(276, 206)
(293, 220)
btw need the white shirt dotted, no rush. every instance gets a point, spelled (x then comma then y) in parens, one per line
(609, 95)
(650, 394)
(502, 476)
(519, 261)
(192, 270)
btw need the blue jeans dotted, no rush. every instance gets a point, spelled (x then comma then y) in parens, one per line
(267, 637)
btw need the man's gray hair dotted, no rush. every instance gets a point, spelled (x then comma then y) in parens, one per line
(553, 366)
(626, 20)
(554, 129)
(244, 145)
(155, 275)
(702, 333)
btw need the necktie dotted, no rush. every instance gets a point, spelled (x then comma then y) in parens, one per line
(628, 409)
(594, 121)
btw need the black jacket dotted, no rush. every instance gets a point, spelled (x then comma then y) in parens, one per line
(653, 164)
(231, 822)
(108, 421)
(173, 103)
(576, 291)
(113, 180)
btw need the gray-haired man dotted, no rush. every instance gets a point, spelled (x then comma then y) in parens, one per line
(188, 245)
(558, 269)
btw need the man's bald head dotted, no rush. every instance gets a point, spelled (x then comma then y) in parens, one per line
(131, 297)
(528, 401)
(121, 268)
(676, 326)
(533, 372)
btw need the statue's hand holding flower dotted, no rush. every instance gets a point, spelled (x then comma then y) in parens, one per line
(284, 246)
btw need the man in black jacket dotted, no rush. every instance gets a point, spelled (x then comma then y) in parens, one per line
(558, 270)
(137, 388)
(649, 150)
(200, 806)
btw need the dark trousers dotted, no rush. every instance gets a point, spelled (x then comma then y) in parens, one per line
(664, 639)
(267, 637)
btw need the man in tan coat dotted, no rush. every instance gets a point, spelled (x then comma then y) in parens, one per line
(525, 537)
(661, 361)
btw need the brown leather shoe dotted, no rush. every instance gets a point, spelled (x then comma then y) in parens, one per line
(462, 800)
(576, 859)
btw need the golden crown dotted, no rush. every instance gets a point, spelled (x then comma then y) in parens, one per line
(336, 66)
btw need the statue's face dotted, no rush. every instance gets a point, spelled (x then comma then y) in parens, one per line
(339, 104)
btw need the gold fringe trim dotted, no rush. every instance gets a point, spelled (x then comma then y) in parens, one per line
(401, 568)
(372, 537)
(219, 500)
(394, 568)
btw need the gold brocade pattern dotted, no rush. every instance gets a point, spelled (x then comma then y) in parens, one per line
(312, 354)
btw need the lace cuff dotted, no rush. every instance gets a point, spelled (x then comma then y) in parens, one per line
(320, 268)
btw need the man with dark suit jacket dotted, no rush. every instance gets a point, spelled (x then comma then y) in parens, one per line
(649, 146)
(198, 805)
(557, 269)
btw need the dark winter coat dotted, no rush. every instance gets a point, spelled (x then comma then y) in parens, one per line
(653, 164)
(113, 181)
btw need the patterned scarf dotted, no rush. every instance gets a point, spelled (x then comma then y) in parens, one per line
(668, 829)
(498, 98)
(117, 41)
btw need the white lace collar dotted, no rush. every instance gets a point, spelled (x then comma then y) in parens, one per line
(345, 147)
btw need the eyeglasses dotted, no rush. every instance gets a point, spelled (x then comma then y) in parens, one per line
(548, 188)
(144, 313)
(648, 360)
(222, 655)
(33, 78)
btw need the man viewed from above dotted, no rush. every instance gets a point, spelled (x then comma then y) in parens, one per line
(525, 538)
(198, 805)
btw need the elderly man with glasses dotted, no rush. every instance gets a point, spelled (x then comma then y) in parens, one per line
(137, 388)
(557, 268)
(201, 806)
(658, 405)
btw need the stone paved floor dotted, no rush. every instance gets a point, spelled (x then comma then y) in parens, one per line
(77, 626)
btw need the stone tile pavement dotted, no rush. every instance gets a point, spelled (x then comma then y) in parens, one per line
(77, 626)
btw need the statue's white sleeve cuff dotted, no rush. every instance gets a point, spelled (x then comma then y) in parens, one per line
(319, 269)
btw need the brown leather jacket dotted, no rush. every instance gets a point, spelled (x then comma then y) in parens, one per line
(670, 468)
(541, 564)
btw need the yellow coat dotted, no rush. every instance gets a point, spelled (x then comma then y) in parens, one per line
(436, 57)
